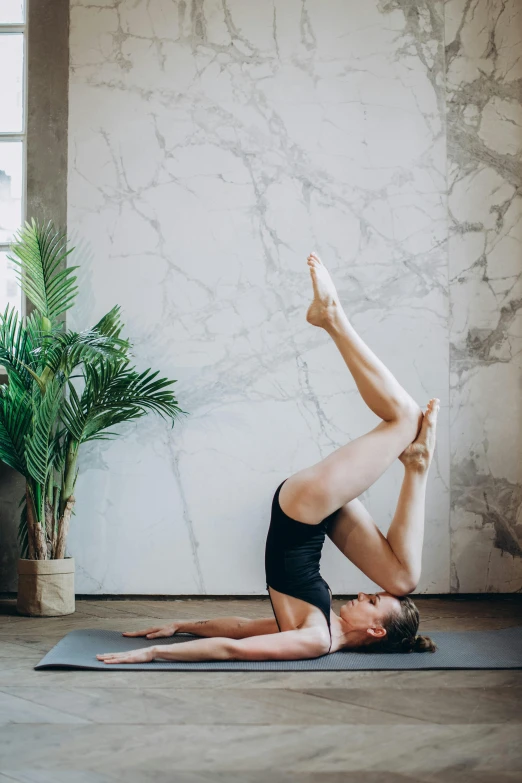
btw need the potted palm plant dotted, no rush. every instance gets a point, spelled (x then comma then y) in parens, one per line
(64, 389)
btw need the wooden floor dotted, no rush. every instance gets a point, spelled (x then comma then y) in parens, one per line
(252, 727)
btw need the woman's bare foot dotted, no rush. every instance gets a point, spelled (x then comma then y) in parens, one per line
(326, 299)
(418, 455)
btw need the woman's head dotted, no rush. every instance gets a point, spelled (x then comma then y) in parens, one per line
(385, 620)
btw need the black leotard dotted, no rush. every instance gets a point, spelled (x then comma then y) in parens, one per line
(292, 555)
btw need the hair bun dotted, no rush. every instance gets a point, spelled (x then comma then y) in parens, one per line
(408, 643)
(423, 644)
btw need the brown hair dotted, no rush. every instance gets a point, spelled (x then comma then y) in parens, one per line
(401, 631)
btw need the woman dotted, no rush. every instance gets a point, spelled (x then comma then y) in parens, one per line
(323, 500)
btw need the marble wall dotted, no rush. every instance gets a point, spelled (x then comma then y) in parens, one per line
(212, 146)
(484, 111)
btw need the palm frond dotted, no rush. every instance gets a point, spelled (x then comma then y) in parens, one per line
(15, 424)
(23, 533)
(128, 389)
(16, 344)
(39, 252)
(115, 393)
(111, 326)
(144, 390)
(63, 351)
(97, 427)
(39, 444)
(57, 451)
(73, 415)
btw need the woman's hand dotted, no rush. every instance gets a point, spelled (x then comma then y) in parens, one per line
(157, 631)
(144, 655)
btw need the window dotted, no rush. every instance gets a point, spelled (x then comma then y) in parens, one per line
(13, 67)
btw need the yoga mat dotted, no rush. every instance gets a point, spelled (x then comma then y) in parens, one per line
(457, 650)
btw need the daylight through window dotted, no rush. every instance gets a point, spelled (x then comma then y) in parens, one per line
(12, 140)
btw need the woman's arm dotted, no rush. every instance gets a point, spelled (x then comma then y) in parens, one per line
(283, 646)
(231, 627)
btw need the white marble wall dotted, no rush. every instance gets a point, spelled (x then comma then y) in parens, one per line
(212, 145)
(484, 72)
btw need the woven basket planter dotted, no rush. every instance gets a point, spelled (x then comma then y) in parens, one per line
(45, 587)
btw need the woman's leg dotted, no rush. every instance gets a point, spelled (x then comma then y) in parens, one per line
(316, 492)
(394, 561)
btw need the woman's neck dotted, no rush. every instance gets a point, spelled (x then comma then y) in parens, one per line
(342, 636)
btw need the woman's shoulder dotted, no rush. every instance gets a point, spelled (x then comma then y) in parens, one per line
(318, 636)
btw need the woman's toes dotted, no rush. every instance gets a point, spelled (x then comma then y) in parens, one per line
(431, 413)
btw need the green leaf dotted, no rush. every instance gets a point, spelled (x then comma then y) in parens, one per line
(15, 424)
(23, 533)
(115, 393)
(63, 351)
(17, 341)
(39, 444)
(39, 253)
(73, 415)
(110, 325)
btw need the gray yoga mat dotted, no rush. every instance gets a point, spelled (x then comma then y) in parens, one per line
(456, 650)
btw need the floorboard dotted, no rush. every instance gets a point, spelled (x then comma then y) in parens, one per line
(253, 727)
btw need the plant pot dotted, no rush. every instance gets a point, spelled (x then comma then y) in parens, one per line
(46, 587)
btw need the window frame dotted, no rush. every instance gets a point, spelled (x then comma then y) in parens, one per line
(8, 136)
(10, 28)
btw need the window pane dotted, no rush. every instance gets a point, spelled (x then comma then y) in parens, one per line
(11, 11)
(11, 86)
(9, 288)
(10, 189)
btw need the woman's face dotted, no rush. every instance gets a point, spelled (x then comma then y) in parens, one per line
(366, 614)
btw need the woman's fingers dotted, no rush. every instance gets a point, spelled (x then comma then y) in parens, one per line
(113, 657)
(132, 656)
(153, 633)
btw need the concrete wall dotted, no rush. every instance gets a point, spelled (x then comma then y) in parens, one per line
(211, 148)
(46, 172)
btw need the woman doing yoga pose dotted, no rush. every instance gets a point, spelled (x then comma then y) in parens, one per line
(323, 500)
